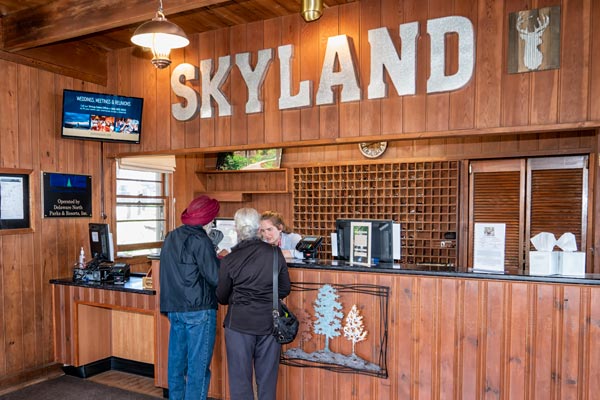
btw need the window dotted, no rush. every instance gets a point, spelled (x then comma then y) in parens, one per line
(141, 211)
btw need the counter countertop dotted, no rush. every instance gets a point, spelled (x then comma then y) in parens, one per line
(133, 285)
(444, 271)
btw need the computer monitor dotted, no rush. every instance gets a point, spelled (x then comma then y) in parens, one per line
(382, 238)
(101, 244)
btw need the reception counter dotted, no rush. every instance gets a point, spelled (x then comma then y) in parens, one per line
(430, 334)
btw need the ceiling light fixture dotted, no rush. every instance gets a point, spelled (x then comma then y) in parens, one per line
(312, 10)
(160, 36)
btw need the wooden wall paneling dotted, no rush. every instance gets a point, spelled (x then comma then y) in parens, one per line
(310, 70)
(349, 112)
(207, 125)
(516, 88)
(271, 87)
(9, 158)
(426, 335)
(137, 78)
(47, 228)
(178, 131)
(254, 43)
(64, 150)
(594, 88)
(152, 112)
(291, 29)
(447, 308)
(238, 89)
(574, 60)
(544, 89)
(488, 73)
(493, 336)
(414, 110)
(329, 124)
(470, 340)
(191, 129)
(572, 325)
(43, 333)
(163, 105)
(118, 64)
(31, 351)
(593, 325)
(223, 124)
(462, 105)
(517, 337)
(543, 337)
(24, 114)
(13, 303)
(370, 110)
(391, 107)
(399, 358)
(438, 104)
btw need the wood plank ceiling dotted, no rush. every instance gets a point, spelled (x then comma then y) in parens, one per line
(73, 37)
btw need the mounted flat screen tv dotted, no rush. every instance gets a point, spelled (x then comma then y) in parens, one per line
(102, 117)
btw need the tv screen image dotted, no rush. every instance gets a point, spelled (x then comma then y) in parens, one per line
(382, 238)
(103, 117)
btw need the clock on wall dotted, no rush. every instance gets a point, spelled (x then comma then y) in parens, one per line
(372, 149)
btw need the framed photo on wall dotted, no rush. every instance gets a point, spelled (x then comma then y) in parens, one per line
(14, 199)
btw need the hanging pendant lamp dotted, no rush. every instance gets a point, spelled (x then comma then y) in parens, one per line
(160, 36)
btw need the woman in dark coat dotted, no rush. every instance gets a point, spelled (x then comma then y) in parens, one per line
(246, 286)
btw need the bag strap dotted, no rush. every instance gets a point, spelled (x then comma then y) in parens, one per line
(275, 281)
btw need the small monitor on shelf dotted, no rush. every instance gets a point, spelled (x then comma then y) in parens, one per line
(101, 245)
(382, 239)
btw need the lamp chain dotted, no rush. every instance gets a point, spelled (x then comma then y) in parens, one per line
(159, 12)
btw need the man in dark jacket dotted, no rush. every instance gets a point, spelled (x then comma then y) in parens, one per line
(189, 270)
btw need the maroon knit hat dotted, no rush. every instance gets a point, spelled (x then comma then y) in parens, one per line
(201, 211)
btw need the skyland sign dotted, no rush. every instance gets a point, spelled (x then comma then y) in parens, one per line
(401, 69)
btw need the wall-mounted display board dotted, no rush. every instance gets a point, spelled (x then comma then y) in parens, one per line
(421, 196)
(14, 199)
(67, 195)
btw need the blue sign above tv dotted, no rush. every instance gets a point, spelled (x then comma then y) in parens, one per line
(103, 117)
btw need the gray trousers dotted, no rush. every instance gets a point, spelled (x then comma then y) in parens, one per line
(245, 352)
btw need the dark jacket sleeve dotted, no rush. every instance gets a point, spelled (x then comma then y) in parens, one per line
(225, 285)
(208, 262)
(284, 277)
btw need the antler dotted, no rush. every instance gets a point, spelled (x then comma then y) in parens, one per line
(518, 25)
(542, 25)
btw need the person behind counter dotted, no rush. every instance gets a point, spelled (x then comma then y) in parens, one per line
(246, 286)
(275, 232)
(189, 271)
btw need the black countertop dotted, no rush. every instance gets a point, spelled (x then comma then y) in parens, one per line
(443, 271)
(134, 285)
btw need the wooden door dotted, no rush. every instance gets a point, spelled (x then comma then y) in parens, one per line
(530, 196)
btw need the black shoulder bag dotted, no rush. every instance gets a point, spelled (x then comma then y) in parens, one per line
(285, 323)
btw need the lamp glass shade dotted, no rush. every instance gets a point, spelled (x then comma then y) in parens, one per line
(312, 10)
(160, 31)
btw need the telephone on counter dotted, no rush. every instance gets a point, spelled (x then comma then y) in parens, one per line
(309, 246)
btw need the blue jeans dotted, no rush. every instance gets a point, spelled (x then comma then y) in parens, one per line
(191, 343)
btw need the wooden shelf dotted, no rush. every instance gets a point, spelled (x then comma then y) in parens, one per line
(421, 196)
(238, 186)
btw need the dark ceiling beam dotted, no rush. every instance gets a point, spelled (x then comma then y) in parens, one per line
(66, 19)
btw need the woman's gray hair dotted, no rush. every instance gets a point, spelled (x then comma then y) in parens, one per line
(247, 222)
